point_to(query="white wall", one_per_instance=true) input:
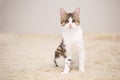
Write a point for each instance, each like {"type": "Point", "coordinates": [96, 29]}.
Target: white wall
{"type": "Point", "coordinates": [42, 16]}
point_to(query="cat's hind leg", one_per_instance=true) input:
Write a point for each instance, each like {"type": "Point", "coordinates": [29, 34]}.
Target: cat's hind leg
{"type": "Point", "coordinates": [60, 51]}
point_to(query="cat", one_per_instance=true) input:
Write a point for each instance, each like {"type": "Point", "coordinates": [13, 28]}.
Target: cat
{"type": "Point", "coordinates": [71, 33]}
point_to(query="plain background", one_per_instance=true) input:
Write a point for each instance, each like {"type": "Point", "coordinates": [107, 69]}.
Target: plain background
{"type": "Point", "coordinates": [42, 16]}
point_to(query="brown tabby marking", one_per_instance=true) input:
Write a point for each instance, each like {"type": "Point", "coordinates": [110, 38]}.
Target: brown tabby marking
{"type": "Point", "coordinates": [60, 51]}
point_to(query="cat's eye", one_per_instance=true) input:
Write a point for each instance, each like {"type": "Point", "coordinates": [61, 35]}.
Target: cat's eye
{"type": "Point", "coordinates": [73, 20]}
{"type": "Point", "coordinates": [66, 21]}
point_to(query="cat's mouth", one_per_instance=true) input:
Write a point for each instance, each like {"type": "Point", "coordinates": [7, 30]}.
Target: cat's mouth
{"type": "Point", "coordinates": [70, 26]}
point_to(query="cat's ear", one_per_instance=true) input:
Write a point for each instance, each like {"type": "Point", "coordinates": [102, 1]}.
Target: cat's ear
{"type": "Point", "coordinates": [77, 12]}
{"type": "Point", "coordinates": [62, 12]}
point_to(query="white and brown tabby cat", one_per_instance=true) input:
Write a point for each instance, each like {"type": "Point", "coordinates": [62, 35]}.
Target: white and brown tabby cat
{"type": "Point", "coordinates": [71, 33]}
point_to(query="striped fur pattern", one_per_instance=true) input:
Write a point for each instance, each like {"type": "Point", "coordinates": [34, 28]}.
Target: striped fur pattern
{"type": "Point", "coordinates": [60, 51]}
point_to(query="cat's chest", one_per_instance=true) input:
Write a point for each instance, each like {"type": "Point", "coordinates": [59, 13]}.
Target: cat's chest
{"type": "Point", "coordinates": [72, 35]}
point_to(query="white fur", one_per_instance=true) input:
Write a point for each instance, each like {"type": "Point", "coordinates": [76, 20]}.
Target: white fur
{"type": "Point", "coordinates": [73, 35]}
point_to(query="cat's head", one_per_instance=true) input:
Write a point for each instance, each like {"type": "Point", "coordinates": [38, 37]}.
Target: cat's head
{"type": "Point", "coordinates": [70, 20]}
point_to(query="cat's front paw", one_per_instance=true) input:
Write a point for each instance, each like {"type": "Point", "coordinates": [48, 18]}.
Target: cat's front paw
{"type": "Point", "coordinates": [82, 70]}
{"type": "Point", "coordinates": [62, 73]}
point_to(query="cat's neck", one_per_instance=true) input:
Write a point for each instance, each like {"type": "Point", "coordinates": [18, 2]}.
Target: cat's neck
{"type": "Point", "coordinates": [72, 34]}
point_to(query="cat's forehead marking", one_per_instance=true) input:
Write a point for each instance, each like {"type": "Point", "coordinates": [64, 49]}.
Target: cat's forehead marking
{"type": "Point", "coordinates": [69, 15]}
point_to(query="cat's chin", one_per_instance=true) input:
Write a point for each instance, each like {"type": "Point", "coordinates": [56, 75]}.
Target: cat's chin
{"type": "Point", "coordinates": [70, 28]}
